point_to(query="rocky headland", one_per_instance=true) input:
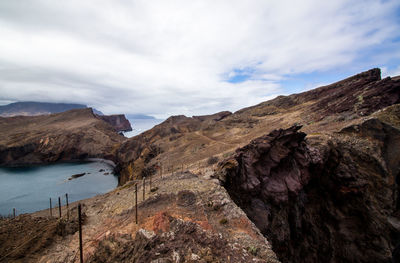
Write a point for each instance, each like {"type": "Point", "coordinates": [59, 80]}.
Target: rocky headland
{"type": "Point", "coordinates": [118, 121]}
{"type": "Point", "coordinates": [310, 177]}
{"type": "Point", "coordinates": [67, 136]}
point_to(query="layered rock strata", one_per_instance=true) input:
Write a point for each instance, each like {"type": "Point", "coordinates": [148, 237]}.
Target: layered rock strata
{"type": "Point", "coordinates": [323, 199]}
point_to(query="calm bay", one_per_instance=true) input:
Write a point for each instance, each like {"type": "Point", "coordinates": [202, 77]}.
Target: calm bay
{"type": "Point", "coordinates": [28, 189]}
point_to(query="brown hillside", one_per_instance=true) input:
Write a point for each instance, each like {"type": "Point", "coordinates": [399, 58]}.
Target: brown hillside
{"type": "Point", "coordinates": [182, 140]}
{"type": "Point", "coordinates": [75, 134]}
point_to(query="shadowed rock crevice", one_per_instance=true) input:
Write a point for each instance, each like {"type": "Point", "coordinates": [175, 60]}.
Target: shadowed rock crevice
{"type": "Point", "coordinates": [322, 200]}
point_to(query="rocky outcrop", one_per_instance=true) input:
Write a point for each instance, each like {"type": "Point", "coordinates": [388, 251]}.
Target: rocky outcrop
{"type": "Point", "coordinates": [118, 121]}
{"type": "Point", "coordinates": [361, 94]}
{"type": "Point", "coordinates": [358, 95]}
{"type": "Point", "coordinates": [327, 199]}
{"type": "Point", "coordinates": [274, 177]}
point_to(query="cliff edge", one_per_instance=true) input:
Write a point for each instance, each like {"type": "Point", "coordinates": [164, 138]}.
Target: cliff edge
{"type": "Point", "coordinates": [118, 121]}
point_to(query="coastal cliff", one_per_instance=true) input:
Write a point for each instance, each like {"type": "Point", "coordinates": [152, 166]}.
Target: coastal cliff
{"type": "Point", "coordinates": [72, 135]}
{"type": "Point", "coordinates": [118, 121]}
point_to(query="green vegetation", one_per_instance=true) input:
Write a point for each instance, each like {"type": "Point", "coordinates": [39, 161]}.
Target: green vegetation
{"type": "Point", "coordinates": [226, 155]}
{"type": "Point", "coordinates": [252, 250]}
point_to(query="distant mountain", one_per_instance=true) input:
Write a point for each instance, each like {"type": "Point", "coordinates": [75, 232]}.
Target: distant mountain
{"type": "Point", "coordinates": [30, 108]}
{"type": "Point", "coordinates": [139, 116]}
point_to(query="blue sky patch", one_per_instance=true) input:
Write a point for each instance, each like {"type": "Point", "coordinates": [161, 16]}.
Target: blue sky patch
{"type": "Point", "coordinates": [240, 75]}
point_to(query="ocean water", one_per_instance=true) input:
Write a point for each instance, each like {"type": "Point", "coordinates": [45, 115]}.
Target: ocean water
{"type": "Point", "coordinates": [141, 125]}
{"type": "Point", "coordinates": [28, 189]}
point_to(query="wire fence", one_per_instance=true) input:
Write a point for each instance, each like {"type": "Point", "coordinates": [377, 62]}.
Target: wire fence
{"type": "Point", "coordinates": [150, 181]}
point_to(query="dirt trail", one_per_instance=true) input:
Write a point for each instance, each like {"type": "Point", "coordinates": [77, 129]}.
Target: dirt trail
{"type": "Point", "coordinates": [200, 133]}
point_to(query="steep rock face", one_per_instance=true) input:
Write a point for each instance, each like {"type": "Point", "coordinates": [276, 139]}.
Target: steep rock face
{"type": "Point", "coordinates": [274, 177]}
{"type": "Point", "coordinates": [118, 121]}
{"type": "Point", "coordinates": [323, 200]}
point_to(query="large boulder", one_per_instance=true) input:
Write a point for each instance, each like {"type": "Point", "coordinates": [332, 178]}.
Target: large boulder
{"type": "Point", "coordinates": [327, 199]}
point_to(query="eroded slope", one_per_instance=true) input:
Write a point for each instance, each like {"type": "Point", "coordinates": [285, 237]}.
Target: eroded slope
{"type": "Point", "coordinates": [189, 141]}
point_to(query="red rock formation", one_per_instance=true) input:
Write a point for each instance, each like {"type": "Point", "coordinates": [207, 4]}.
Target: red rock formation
{"type": "Point", "coordinates": [326, 200]}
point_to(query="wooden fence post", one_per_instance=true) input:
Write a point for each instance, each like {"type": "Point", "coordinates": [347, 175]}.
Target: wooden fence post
{"type": "Point", "coordinates": [144, 187]}
{"type": "Point", "coordinates": [59, 206]}
{"type": "Point", "coordinates": [51, 210]}
{"type": "Point", "coordinates": [80, 233]}
{"type": "Point", "coordinates": [136, 215]}
{"type": "Point", "coordinates": [150, 182]}
{"type": "Point", "coordinates": [66, 200]}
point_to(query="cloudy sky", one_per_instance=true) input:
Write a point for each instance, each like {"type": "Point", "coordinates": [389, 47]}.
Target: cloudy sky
{"type": "Point", "coordinates": [167, 57]}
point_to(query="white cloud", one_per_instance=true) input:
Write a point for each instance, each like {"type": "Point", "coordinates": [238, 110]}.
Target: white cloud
{"type": "Point", "coordinates": [390, 72]}
{"type": "Point", "coordinates": [173, 57]}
